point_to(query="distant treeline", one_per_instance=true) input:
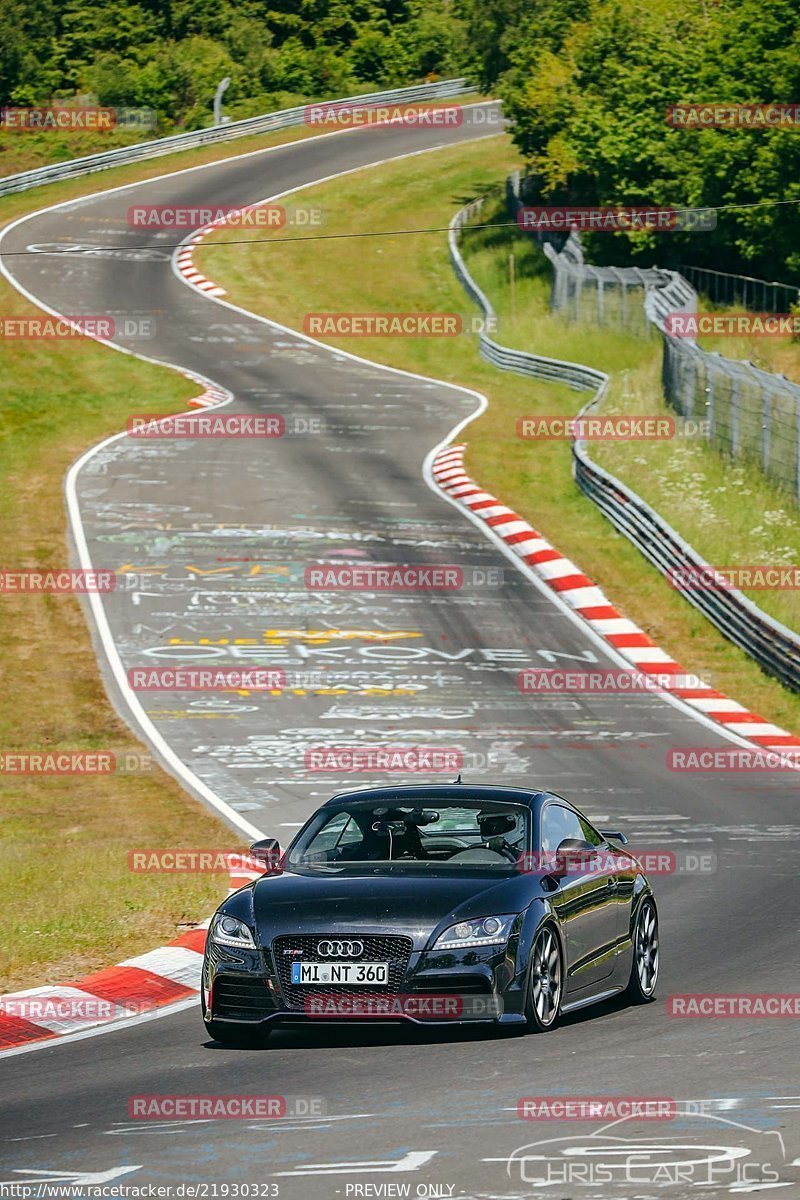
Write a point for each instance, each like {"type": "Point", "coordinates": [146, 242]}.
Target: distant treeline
{"type": "Point", "coordinates": [170, 56]}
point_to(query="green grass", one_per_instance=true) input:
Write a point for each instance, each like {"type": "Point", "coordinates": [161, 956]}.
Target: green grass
{"type": "Point", "coordinates": [413, 273]}
{"type": "Point", "coordinates": [68, 838]}
{"type": "Point", "coordinates": [781, 355]}
{"type": "Point", "coordinates": [728, 511]}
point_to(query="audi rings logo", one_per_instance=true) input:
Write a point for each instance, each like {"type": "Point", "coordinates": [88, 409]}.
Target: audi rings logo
{"type": "Point", "coordinates": [346, 948]}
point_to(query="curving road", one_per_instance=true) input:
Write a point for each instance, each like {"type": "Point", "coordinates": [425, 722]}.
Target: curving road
{"type": "Point", "coordinates": [214, 537]}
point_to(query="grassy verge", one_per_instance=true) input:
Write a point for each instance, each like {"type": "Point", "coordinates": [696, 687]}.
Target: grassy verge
{"type": "Point", "coordinates": [413, 273]}
{"type": "Point", "coordinates": [71, 903]}
{"type": "Point", "coordinates": [781, 355]}
{"type": "Point", "coordinates": [730, 512]}
{"type": "Point", "coordinates": [26, 149]}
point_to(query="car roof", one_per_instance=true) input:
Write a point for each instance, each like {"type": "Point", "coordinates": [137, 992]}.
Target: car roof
{"type": "Point", "coordinates": [444, 791]}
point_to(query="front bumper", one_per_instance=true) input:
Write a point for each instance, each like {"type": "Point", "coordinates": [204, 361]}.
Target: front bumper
{"type": "Point", "coordinates": [250, 987]}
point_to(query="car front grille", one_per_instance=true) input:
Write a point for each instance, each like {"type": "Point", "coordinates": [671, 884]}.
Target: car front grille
{"type": "Point", "coordinates": [393, 949]}
{"type": "Point", "coordinates": [241, 998]}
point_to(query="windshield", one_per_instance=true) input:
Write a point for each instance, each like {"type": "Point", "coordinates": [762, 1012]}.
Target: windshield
{"type": "Point", "coordinates": [471, 833]}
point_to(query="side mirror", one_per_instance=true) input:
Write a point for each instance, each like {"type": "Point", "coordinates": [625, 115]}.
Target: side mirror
{"type": "Point", "coordinates": [268, 852]}
{"type": "Point", "coordinates": [616, 835]}
{"type": "Point", "coordinates": [572, 851]}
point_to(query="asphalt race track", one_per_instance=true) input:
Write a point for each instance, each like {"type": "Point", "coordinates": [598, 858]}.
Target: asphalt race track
{"type": "Point", "coordinates": [215, 536]}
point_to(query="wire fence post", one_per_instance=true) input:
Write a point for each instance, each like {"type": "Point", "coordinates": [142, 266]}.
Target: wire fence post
{"type": "Point", "coordinates": [735, 416]}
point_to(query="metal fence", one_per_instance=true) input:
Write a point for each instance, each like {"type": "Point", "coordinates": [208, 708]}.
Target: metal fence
{"type": "Point", "coordinates": [772, 645]}
{"type": "Point", "coordinates": [756, 294]}
{"type": "Point", "coordinates": [581, 292]}
{"type": "Point", "coordinates": [282, 119]}
{"type": "Point", "coordinates": [748, 413]}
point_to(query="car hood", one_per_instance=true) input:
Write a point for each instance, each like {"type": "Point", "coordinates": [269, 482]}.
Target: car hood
{"type": "Point", "coordinates": [412, 903]}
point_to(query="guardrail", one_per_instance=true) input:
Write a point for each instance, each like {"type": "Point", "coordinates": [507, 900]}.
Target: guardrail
{"type": "Point", "coordinates": [575, 375]}
{"type": "Point", "coordinates": [772, 645]}
{"type": "Point", "coordinates": [281, 119]}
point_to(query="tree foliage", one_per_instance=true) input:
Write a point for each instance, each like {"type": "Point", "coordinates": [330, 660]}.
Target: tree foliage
{"type": "Point", "coordinates": [171, 54]}
{"type": "Point", "coordinates": [587, 84]}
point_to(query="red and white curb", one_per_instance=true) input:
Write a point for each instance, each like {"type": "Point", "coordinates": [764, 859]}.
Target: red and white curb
{"type": "Point", "coordinates": [589, 602]}
{"type": "Point", "coordinates": [186, 267]}
{"type": "Point", "coordinates": [133, 987]}
{"type": "Point", "coordinates": [183, 255]}
{"type": "Point", "coordinates": [209, 398]}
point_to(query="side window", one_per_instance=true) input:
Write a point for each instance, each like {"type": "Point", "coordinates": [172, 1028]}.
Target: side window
{"type": "Point", "coordinates": [590, 834]}
{"type": "Point", "coordinates": [351, 835]}
{"type": "Point", "coordinates": [340, 831]}
{"type": "Point", "coordinates": [559, 823]}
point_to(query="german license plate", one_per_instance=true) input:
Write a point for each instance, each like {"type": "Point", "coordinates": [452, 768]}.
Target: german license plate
{"type": "Point", "coordinates": [310, 973]}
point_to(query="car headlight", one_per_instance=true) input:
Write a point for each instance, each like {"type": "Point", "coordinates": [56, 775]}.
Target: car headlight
{"type": "Point", "coordinates": [230, 931]}
{"type": "Point", "coordinates": [484, 931]}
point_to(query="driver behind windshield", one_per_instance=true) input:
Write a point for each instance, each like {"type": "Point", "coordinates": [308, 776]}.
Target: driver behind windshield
{"type": "Point", "coordinates": [386, 834]}
{"type": "Point", "coordinates": [494, 826]}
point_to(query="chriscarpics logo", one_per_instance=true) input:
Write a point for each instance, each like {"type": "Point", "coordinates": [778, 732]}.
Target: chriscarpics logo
{"type": "Point", "coordinates": [696, 1149]}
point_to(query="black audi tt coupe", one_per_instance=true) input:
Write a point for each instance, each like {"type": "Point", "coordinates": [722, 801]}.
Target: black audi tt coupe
{"type": "Point", "coordinates": [432, 904]}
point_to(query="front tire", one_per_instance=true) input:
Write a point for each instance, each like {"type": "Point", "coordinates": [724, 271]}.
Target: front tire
{"type": "Point", "coordinates": [545, 982]}
{"type": "Point", "coordinates": [644, 966]}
